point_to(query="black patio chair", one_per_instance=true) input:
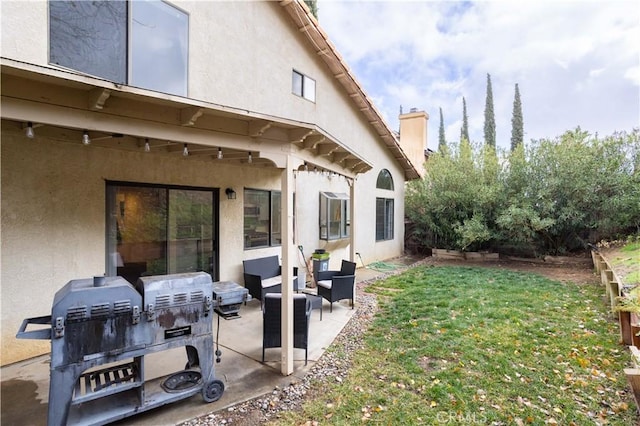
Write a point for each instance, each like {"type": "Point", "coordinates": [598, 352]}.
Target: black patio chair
{"type": "Point", "coordinates": [271, 316]}
{"type": "Point", "coordinates": [338, 285]}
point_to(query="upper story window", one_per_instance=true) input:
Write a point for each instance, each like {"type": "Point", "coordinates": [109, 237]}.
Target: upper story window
{"type": "Point", "coordinates": [262, 218]}
{"type": "Point", "coordinates": [91, 37]}
{"type": "Point", "coordinates": [335, 218]}
{"type": "Point", "coordinates": [303, 86]}
{"type": "Point", "coordinates": [385, 180]}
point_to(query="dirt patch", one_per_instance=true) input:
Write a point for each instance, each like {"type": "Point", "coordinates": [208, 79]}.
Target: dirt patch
{"type": "Point", "coordinates": [575, 272]}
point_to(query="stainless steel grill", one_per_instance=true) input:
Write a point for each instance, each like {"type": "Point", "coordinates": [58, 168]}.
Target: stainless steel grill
{"type": "Point", "coordinates": [100, 321]}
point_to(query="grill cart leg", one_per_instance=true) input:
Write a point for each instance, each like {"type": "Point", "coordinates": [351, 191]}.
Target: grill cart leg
{"type": "Point", "coordinates": [61, 385]}
{"type": "Point", "coordinates": [211, 389]}
{"type": "Point", "coordinates": [193, 360]}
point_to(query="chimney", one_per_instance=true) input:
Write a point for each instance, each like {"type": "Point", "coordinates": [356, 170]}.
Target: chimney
{"type": "Point", "coordinates": [413, 137]}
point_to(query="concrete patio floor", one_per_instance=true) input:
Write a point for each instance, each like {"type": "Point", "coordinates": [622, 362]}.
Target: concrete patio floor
{"type": "Point", "coordinates": [25, 385]}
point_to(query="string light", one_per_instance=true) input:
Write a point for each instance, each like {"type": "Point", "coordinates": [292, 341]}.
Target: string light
{"type": "Point", "coordinates": [29, 130]}
{"type": "Point", "coordinates": [185, 151]}
{"type": "Point", "coordinates": [85, 138]}
{"type": "Point", "coordinates": [147, 147]}
{"type": "Point", "coordinates": [219, 153]}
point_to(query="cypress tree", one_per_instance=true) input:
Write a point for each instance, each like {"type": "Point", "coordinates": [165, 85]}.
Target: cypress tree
{"type": "Point", "coordinates": [517, 125]}
{"type": "Point", "coordinates": [464, 132]}
{"type": "Point", "coordinates": [442, 143]}
{"type": "Point", "coordinates": [489, 117]}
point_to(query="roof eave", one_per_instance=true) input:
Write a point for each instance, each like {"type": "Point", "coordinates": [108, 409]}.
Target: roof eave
{"type": "Point", "coordinates": [306, 22]}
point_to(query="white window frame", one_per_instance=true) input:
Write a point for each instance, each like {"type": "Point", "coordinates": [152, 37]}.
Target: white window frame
{"type": "Point", "coordinates": [385, 221]}
{"type": "Point", "coordinates": [338, 227]}
{"type": "Point", "coordinates": [175, 86]}
{"type": "Point", "coordinates": [306, 88]}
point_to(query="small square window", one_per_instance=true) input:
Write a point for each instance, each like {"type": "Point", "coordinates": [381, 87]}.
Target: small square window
{"type": "Point", "coordinates": [303, 86]}
{"type": "Point", "coordinates": [296, 81]}
{"type": "Point", "coordinates": [309, 89]}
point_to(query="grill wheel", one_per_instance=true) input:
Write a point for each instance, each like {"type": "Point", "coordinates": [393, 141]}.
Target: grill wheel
{"type": "Point", "coordinates": [213, 391]}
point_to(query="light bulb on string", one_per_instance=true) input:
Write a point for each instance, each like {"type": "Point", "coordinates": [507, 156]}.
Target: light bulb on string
{"type": "Point", "coordinates": [29, 130]}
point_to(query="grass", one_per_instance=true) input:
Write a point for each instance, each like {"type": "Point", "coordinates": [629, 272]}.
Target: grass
{"type": "Point", "coordinates": [631, 260]}
{"type": "Point", "coordinates": [458, 345]}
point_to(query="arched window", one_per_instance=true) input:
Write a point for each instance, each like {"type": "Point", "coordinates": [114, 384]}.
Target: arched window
{"type": "Point", "coordinates": [384, 208]}
{"type": "Point", "coordinates": [385, 181]}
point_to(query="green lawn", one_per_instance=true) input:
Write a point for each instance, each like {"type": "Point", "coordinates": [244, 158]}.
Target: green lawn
{"type": "Point", "coordinates": [458, 345]}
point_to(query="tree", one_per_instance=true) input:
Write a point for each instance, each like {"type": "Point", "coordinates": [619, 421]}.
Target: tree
{"type": "Point", "coordinates": [517, 125]}
{"type": "Point", "coordinates": [464, 132]}
{"type": "Point", "coordinates": [553, 197]}
{"type": "Point", "coordinates": [454, 205]}
{"type": "Point", "coordinates": [489, 117]}
{"type": "Point", "coordinates": [313, 7]}
{"type": "Point", "coordinates": [442, 142]}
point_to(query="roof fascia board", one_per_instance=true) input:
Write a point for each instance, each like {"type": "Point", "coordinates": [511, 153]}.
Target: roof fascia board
{"type": "Point", "coordinates": [307, 23]}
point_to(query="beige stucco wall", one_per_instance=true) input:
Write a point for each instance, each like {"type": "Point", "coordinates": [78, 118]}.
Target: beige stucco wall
{"type": "Point", "coordinates": [53, 218]}
{"type": "Point", "coordinates": [241, 54]}
{"type": "Point", "coordinates": [53, 192]}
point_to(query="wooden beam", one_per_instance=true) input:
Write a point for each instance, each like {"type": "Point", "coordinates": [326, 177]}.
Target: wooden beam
{"type": "Point", "coordinates": [340, 156]}
{"type": "Point", "coordinates": [351, 163]}
{"type": "Point", "coordinates": [326, 148]}
{"type": "Point", "coordinates": [189, 115]}
{"type": "Point", "coordinates": [633, 376]}
{"type": "Point", "coordinates": [258, 127]}
{"type": "Point", "coordinates": [299, 135]}
{"type": "Point", "coordinates": [98, 97]}
{"type": "Point", "coordinates": [311, 142]}
{"type": "Point", "coordinates": [287, 187]}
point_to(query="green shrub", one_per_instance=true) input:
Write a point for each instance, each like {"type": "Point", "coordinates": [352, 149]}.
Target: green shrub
{"type": "Point", "coordinates": [551, 197]}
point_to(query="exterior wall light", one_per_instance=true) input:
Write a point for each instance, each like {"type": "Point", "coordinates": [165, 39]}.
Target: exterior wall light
{"type": "Point", "coordinates": [231, 194]}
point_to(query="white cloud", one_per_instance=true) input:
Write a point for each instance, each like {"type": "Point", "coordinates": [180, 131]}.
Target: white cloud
{"type": "Point", "coordinates": [577, 63]}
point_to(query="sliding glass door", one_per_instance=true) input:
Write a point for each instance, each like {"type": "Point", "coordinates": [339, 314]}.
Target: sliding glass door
{"type": "Point", "coordinates": [157, 230]}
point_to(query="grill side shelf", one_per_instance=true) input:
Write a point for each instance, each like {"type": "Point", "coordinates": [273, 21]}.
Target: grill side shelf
{"type": "Point", "coordinates": [42, 334]}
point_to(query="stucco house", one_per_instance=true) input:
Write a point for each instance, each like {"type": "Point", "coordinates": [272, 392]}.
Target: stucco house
{"type": "Point", "coordinates": [160, 137]}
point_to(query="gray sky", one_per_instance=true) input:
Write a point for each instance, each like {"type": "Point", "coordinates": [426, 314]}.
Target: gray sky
{"type": "Point", "coordinates": [577, 63]}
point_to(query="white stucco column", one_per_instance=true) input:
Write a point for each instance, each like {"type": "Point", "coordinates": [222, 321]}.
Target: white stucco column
{"type": "Point", "coordinates": [288, 251]}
